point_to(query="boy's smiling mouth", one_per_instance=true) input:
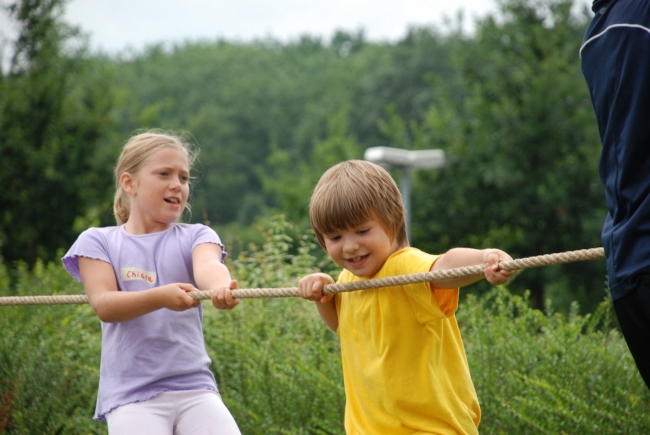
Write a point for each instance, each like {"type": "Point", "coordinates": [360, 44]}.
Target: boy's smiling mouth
{"type": "Point", "coordinates": [357, 260]}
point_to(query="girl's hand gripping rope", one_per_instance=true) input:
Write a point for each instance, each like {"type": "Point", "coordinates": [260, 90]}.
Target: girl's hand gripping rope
{"type": "Point", "coordinates": [222, 297]}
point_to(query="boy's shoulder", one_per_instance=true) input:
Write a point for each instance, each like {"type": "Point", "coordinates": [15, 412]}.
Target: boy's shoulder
{"type": "Point", "coordinates": [408, 260]}
{"type": "Point", "coordinates": [409, 253]}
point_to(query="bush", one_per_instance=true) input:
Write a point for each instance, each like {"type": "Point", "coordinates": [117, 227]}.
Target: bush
{"type": "Point", "coordinates": [49, 357]}
{"type": "Point", "coordinates": [277, 365]}
{"type": "Point", "coordinates": [279, 368]}
{"type": "Point", "coordinates": [539, 373]}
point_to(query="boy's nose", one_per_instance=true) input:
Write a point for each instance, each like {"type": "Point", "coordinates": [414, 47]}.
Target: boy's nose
{"type": "Point", "coordinates": [350, 245]}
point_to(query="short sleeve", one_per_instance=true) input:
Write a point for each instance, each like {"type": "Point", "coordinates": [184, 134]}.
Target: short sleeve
{"type": "Point", "coordinates": [427, 305]}
{"type": "Point", "coordinates": [205, 234]}
{"type": "Point", "coordinates": [90, 244]}
{"type": "Point", "coordinates": [446, 299]}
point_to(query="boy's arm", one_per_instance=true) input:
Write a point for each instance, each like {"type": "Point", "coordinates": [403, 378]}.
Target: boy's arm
{"type": "Point", "coordinates": [211, 274]}
{"type": "Point", "coordinates": [463, 257]}
{"type": "Point", "coordinates": [311, 287]}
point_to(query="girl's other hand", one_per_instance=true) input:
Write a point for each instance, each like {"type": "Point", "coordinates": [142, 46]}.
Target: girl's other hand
{"type": "Point", "coordinates": [176, 297]}
{"type": "Point", "coordinates": [222, 297]}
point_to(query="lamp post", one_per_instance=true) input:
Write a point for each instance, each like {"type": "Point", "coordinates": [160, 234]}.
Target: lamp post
{"type": "Point", "coordinates": [405, 160]}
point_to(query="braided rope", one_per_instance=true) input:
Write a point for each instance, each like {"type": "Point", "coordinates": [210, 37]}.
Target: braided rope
{"type": "Point", "coordinates": [522, 263]}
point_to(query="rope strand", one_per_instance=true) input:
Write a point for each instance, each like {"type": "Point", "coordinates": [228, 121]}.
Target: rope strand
{"type": "Point", "coordinates": [522, 263]}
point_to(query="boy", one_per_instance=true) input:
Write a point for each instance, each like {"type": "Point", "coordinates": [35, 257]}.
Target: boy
{"type": "Point", "coordinates": [404, 365]}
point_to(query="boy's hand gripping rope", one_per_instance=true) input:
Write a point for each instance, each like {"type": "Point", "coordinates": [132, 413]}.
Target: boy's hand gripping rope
{"type": "Point", "coordinates": [522, 263]}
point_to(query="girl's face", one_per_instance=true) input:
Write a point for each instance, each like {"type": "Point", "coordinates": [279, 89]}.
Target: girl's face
{"type": "Point", "coordinates": [159, 192]}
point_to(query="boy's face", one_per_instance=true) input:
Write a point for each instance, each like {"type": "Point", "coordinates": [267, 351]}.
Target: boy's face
{"type": "Point", "coordinates": [362, 250]}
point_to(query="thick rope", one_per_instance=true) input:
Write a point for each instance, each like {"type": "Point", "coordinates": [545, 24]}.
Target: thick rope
{"type": "Point", "coordinates": [460, 272]}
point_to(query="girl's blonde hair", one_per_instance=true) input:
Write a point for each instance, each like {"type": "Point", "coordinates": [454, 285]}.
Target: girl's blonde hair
{"type": "Point", "coordinates": [137, 150]}
{"type": "Point", "coordinates": [350, 193]}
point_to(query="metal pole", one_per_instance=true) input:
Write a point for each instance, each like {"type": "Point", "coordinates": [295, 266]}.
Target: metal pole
{"type": "Point", "coordinates": [405, 188]}
{"type": "Point", "coordinates": [405, 160]}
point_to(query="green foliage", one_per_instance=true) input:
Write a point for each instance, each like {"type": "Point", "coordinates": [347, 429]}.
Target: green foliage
{"type": "Point", "coordinates": [274, 264]}
{"type": "Point", "coordinates": [49, 357]}
{"type": "Point", "coordinates": [279, 368]}
{"type": "Point", "coordinates": [291, 181]}
{"type": "Point", "coordinates": [55, 104]}
{"type": "Point", "coordinates": [510, 109]}
{"type": "Point", "coordinates": [508, 105]}
{"type": "Point", "coordinates": [539, 373]}
{"type": "Point", "coordinates": [261, 111]}
{"type": "Point", "coordinates": [522, 147]}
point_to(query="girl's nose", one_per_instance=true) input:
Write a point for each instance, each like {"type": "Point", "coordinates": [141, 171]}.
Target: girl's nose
{"type": "Point", "coordinates": [175, 183]}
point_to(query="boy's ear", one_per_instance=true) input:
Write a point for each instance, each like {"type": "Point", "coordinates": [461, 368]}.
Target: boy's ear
{"type": "Point", "coordinates": [127, 181]}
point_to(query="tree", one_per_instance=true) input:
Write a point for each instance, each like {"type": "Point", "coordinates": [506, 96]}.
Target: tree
{"type": "Point", "coordinates": [252, 105]}
{"type": "Point", "coordinates": [291, 180]}
{"type": "Point", "coordinates": [54, 112]}
{"type": "Point", "coordinates": [523, 150]}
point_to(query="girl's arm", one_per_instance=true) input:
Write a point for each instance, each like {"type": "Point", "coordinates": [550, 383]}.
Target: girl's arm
{"type": "Point", "coordinates": [111, 305]}
{"type": "Point", "coordinates": [311, 287]}
{"type": "Point", "coordinates": [463, 257]}
{"type": "Point", "coordinates": [211, 274]}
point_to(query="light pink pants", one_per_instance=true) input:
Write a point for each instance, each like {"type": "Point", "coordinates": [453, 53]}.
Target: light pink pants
{"type": "Point", "coordinates": [174, 413]}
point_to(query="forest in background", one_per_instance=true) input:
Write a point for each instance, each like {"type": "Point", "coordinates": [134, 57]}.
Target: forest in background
{"type": "Point", "coordinates": [508, 105]}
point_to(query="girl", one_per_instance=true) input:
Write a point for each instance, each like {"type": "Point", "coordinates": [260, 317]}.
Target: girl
{"type": "Point", "coordinates": [154, 374]}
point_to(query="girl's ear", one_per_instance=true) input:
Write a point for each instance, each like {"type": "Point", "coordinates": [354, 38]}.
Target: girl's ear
{"type": "Point", "coordinates": [127, 181]}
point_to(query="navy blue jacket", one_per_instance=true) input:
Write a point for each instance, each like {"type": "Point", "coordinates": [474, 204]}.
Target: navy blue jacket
{"type": "Point", "coordinates": [616, 64]}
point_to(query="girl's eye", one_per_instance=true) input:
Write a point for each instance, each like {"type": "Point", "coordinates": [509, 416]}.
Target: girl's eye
{"type": "Point", "coordinates": [185, 178]}
{"type": "Point", "coordinates": [164, 174]}
{"type": "Point", "coordinates": [363, 231]}
{"type": "Point", "coordinates": [334, 238]}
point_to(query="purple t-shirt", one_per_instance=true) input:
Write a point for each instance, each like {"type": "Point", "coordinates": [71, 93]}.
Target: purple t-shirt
{"type": "Point", "coordinates": [160, 351]}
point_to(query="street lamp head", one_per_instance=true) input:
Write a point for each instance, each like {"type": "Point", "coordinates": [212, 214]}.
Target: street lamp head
{"type": "Point", "coordinates": [400, 158]}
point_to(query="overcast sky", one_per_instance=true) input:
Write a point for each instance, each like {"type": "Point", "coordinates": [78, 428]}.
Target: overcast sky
{"type": "Point", "coordinates": [115, 26]}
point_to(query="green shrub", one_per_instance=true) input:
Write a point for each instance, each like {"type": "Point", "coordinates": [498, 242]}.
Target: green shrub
{"type": "Point", "coordinates": [277, 365]}
{"type": "Point", "coordinates": [539, 373]}
{"type": "Point", "coordinates": [49, 357]}
{"type": "Point", "coordinates": [279, 368]}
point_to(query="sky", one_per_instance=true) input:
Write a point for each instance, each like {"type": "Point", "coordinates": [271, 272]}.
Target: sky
{"type": "Point", "coordinates": [128, 26]}
{"type": "Point", "coordinates": [118, 25]}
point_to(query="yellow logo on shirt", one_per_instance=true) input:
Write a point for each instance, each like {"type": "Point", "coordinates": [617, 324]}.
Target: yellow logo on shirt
{"type": "Point", "coordinates": [134, 273]}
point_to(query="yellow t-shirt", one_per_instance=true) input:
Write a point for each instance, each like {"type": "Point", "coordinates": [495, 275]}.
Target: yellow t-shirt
{"type": "Point", "coordinates": [404, 364]}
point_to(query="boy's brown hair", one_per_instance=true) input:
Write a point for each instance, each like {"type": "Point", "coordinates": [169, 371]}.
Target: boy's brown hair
{"type": "Point", "coordinates": [352, 192]}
